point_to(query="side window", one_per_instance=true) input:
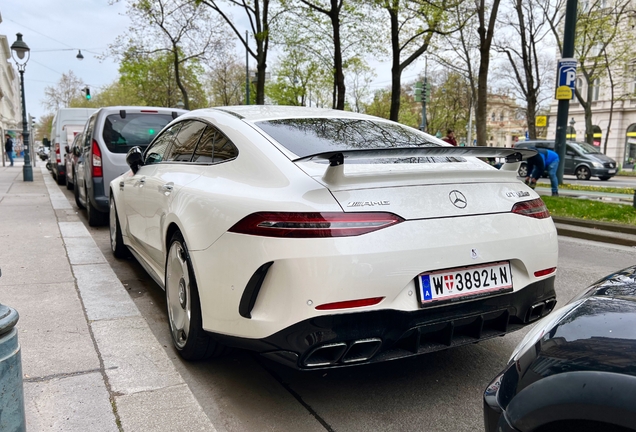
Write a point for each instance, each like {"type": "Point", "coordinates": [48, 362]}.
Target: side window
{"type": "Point", "coordinates": [157, 150]}
{"type": "Point", "coordinates": [214, 147]}
{"type": "Point", "coordinates": [185, 141]}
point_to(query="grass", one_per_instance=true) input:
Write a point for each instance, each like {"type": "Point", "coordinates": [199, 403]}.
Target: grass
{"type": "Point", "coordinates": [590, 210]}
{"type": "Point", "coordinates": [607, 189]}
{"type": "Point", "coordinates": [627, 173]}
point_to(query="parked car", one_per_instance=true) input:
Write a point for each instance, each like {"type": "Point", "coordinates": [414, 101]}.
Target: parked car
{"type": "Point", "coordinates": [72, 153]}
{"type": "Point", "coordinates": [66, 123]}
{"type": "Point", "coordinates": [266, 234]}
{"type": "Point", "coordinates": [43, 152]}
{"type": "Point", "coordinates": [109, 133]}
{"type": "Point", "coordinates": [575, 370]}
{"type": "Point", "coordinates": [581, 159]}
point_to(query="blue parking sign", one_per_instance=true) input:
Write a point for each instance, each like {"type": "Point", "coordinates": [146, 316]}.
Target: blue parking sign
{"type": "Point", "coordinates": [567, 72]}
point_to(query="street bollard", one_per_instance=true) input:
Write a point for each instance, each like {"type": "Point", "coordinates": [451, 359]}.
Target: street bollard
{"type": "Point", "coordinates": [11, 390]}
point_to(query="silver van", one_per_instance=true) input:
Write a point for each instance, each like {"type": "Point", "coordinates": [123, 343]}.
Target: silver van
{"type": "Point", "coordinates": [581, 159]}
{"type": "Point", "coordinates": [109, 133]}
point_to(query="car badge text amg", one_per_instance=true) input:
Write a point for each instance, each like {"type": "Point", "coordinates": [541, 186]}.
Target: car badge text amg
{"type": "Point", "coordinates": [367, 203]}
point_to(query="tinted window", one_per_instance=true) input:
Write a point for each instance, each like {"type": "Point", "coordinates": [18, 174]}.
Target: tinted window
{"type": "Point", "coordinates": [121, 134]}
{"type": "Point", "coordinates": [305, 137]}
{"type": "Point", "coordinates": [157, 150]}
{"type": "Point", "coordinates": [185, 141]}
{"type": "Point", "coordinates": [214, 147]}
{"type": "Point", "coordinates": [90, 125]}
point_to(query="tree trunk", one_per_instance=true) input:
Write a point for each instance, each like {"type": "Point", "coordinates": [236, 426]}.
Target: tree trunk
{"type": "Point", "coordinates": [337, 46]}
{"type": "Point", "coordinates": [177, 77]}
{"type": "Point", "coordinates": [531, 113]}
{"type": "Point", "coordinates": [396, 70]}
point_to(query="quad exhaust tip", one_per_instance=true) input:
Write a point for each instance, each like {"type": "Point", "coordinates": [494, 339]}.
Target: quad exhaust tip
{"type": "Point", "coordinates": [341, 352]}
{"type": "Point", "coordinates": [540, 309]}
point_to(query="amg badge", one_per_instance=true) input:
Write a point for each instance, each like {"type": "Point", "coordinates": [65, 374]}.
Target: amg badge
{"type": "Point", "coordinates": [367, 203]}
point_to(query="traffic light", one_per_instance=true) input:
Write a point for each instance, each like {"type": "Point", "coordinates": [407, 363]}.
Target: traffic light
{"type": "Point", "coordinates": [418, 92]}
{"type": "Point", "coordinates": [427, 92]}
{"type": "Point", "coordinates": [87, 91]}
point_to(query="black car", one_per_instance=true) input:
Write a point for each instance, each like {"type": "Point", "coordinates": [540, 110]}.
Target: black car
{"type": "Point", "coordinates": [581, 159]}
{"type": "Point", "coordinates": [576, 369]}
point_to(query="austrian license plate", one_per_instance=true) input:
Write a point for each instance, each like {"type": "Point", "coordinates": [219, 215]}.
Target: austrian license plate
{"type": "Point", "coordinates": [612, 171]}
{"type": "Point", "coordinates": [453, 284]}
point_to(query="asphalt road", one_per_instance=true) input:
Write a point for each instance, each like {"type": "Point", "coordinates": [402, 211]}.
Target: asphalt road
{"type": "Point", "coordinates": [622, 181]}
{"type": "Point", "coordinates": [434, 392]}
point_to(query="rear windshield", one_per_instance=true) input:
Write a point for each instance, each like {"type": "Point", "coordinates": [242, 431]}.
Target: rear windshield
{"type": "Point", "coordinates": [307, 136]}
{"type": "Point", "coordinates": [121, 134]}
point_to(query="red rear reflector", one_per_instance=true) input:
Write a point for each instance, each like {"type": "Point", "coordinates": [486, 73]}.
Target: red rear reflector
{"type": "Point", "coordinates": [149, 111]}
{"type": "Point", "coordinates": [350, 304]}
{"type": "Point", "coordinates": [544, 272]}
{"type": "Point", "coordinates": [534, 208]}
{"type": "Point", "coordinates": [58, 157]}
{"type": "Point", "coordinates": [96, 160]}
{"type": "Point", "coordinates": [311, 225]}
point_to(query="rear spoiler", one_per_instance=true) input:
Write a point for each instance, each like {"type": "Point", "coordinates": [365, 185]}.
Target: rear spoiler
{"type": "Point", "coordinates": [335, 172]}
{"type": "Point", "coordinates": [338, 157]}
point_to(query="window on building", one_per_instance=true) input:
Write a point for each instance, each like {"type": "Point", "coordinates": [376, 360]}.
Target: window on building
{"type": "Point", "coordinates": [493, 116]}
{"type": "Point", "coordinates": [596, 89]}
{"type": "Point", "coordinates": [501, 116]}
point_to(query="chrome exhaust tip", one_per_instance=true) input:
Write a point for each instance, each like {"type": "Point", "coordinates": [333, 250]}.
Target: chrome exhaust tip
{"type": "Point", "coordinates": [362, 350]}
{"type": "Point", "coordinates": [325, 355]}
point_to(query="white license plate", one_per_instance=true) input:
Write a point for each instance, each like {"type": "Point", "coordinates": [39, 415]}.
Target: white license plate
{"type": "Point", "coordinates": [460, 282]}
{"type": "Point", "coordinates": [612, 171]}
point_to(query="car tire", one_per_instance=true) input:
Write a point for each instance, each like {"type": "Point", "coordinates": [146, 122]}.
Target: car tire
{"type": "Point", "coordinates": [94, 216]}
{"type": "Point", "coordinates": [117, 245]}
{"type": "Point", "coordinates": [582, 173]}
{"type": "Point", "coordinates": [184, 306]}
{"type": "Point", "coordinates": [604, 178]}
{"type": "Point", "coordinates": [76, 192]}
{"type": "Point", "coordinates": [523, 170]}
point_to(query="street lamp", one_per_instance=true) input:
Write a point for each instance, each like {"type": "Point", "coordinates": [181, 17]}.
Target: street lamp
{"type": "Point", "coordinates": [79, 55]}
{"type": "Point", "coordinates": [21, 50]}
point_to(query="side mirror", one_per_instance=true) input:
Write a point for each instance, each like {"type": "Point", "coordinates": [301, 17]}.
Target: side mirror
{"type": "Point", "coordinates": [66, 149]}
{"type": "Point", "coordinates": [134, 158]}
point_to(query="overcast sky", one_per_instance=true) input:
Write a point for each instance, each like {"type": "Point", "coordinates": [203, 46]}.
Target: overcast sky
{"type": "Point", "coordinates": [56, 29]}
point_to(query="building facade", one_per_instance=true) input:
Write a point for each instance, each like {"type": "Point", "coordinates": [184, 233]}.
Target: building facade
{"type": "Point", "coordinates": [506, 121]}
{"type": "Point", "coordinates": [10, 107]}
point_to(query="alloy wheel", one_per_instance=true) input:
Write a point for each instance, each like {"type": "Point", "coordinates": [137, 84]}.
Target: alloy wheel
{"type": "Point", "coordinates": [178, 294]}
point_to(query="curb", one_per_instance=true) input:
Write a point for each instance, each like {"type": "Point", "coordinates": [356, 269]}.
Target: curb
{"type": "Point", "coordinates": [605, 232]}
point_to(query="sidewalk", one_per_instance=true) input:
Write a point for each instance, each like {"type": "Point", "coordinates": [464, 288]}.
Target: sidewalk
{"type": "Point", "coordinates": [89, 360]}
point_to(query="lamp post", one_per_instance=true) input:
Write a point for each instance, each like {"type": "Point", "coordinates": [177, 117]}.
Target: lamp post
{"type": "Point", "coordinates": [21, 49]}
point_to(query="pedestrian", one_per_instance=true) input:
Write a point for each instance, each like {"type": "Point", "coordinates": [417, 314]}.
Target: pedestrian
{"type": "Point", "coordinates": [8, 147]}
{"type": "Point", "coordinates": [535, 167]}
{"type": "Point", "coordinates": [551, 161]}
{"type": "Point", "coordinates": [450, 137]}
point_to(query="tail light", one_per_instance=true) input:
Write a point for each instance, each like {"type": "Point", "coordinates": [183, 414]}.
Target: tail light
{"type": "Point", "coordinates": [312, 225]}
{"type": "Point", "coordinates": [96, 160]}
{"type": "Point", "coordinates": [58, 156]}
{"type": "Point", "coordinates": [534, 208]}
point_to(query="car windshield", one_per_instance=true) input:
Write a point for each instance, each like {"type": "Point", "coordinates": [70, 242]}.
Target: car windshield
{"type": "Point", "coordinates": [585, 148]}
{"type": "Point", "coordinates": [136, 129]}
{"type": "Point", "coordinates": [307, 136]}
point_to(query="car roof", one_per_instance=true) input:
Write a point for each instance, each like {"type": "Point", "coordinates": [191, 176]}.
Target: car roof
{"type": "Point", "coordinates": [254, 113]}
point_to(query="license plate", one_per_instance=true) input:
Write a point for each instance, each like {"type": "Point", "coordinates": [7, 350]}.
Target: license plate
{"type": "Point", "coordinates": [453, 284]}
{"type": "Point", "coordinates": [612, 171]}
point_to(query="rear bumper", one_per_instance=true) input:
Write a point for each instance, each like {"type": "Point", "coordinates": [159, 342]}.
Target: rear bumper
{"type": "Point", "coordinates": [368, 337]}
{"type": "Point", "coordinates": [97, 196]}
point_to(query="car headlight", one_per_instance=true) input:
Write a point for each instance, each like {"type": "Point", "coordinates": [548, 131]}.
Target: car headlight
{"type": "Point", "coordinates": [541, 328]}
{"type": "Point", "coordinates": [597, 164]}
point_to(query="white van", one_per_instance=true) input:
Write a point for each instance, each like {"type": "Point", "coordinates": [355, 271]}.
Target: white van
{"type": "Point", "coordinates": [67, 123]}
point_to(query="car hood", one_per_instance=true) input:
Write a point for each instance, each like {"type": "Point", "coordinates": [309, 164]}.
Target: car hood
{"type": "Point", "coordinates": [601, 157]}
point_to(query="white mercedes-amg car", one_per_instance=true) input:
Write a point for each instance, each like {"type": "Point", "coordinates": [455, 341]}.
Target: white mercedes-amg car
{"type": "Point", "coordinates": [324, 238]}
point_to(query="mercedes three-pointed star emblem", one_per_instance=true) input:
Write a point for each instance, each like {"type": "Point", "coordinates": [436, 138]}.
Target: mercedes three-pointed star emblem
{"type": "Point", "coordinates": [458, 199]}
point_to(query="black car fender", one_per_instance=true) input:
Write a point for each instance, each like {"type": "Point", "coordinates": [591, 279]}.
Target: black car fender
{"type": "Point", "coordinates": [584, 395]}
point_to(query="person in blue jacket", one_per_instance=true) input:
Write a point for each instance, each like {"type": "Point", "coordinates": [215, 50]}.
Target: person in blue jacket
{"type": "Point", "coordinates": [544, 160]}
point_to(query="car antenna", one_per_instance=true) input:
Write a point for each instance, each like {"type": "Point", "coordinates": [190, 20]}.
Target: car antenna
{"type": "Point", "coordinates": [122, 114]}
{"type": "Point", "coordinates": [175, 115]}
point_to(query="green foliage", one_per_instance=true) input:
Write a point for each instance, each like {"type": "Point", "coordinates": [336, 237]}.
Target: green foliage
{"type": "Point", "coordinates": [449, 104]}
{"type": "Point", "coordinates": [410, 111]}
{"type": "Point", "coordinates": [590, 210]}
{"type": "Point", "coordinates": [150, 80]}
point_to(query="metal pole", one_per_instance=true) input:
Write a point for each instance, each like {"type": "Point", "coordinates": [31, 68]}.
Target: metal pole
{"type": "Point", "coordinates": [564, 105]}
{"type": "Point", "coordinates": [247, 72]}
{"type": "Point", "coordinates": [424, 125]}
{"type": "Point", "coordinates": [27, 169]}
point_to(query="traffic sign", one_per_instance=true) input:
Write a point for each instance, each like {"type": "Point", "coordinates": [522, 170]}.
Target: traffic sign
{"type": "Point", "coordinates": [541, 121]}
{"type": "Point", "coordinates": [566, 78]}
